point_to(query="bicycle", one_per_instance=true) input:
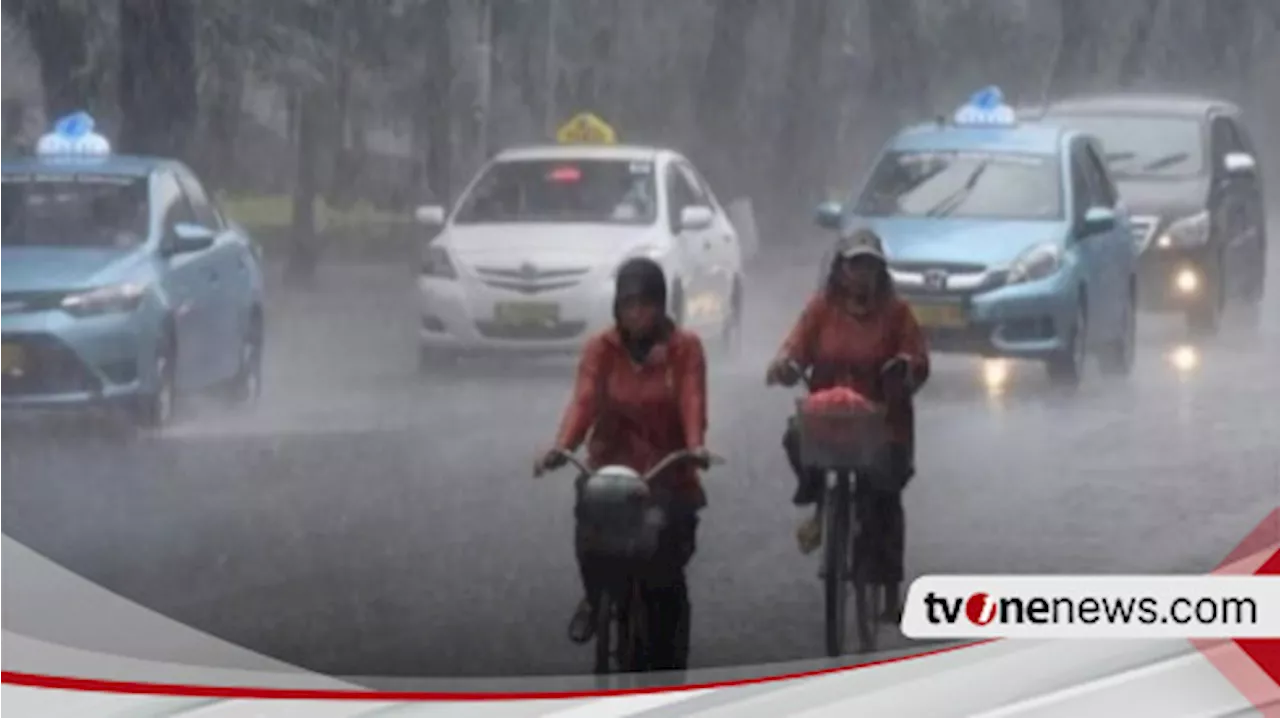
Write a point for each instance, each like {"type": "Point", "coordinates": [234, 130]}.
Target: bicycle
{"type": "Point", "coordinates": [845, 445]}
{"type": "Point", "coordinates": [617, 505]}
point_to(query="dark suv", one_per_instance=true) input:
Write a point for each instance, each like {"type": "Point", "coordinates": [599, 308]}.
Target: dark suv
{"type": "Point", "coordinates": [1186, 168]}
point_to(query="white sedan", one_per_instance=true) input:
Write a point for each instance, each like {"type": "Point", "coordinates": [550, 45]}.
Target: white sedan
{"type": "Point", "coordinates": [526, 261]}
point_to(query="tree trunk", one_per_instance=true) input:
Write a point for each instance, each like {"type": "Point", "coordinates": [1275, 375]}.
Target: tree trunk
{"type": "Point", "coordinates": [303, 250]}
{"type": "Point", "coordinates": [797, 140]}
{"type": "Point", "coordinates": [57, 35]}
{"type": "Point", "coordinates": [1134, 63]}
{"type": "Point", "coordinates": [720, 95]}
{"type": "Point", "coordinates": [157, 76]}
{"type": "Point", "coordinates": [436, 109]}
{"type": "Point", "coordinates": [1078, 68]}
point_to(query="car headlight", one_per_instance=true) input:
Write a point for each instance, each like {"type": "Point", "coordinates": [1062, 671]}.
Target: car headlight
{"type": "Point", "coordinates": [436, 263]}
{"type": "Point", "coordinates": [1187, 232]}
{"type": "Point", "coordinates": [1041, 261]}
{"type": "Point", "coordinates": [103, 300]}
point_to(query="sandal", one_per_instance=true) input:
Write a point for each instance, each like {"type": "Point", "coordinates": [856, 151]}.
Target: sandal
{"type": "Point", "coordinates": [809, 535]}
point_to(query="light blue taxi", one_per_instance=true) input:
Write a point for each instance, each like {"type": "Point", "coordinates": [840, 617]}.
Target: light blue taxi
{"type": "Point", "coordinates": [1008, 240]}
{"type": "Point", "coordinates": [123, 284]}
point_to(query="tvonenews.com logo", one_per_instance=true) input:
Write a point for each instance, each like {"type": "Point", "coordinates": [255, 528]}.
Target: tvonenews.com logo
{"type": "Point", "coordinates": [1092, 607]}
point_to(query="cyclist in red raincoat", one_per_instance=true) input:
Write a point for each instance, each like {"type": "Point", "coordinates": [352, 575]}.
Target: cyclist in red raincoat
{"type": "Point", "coordinates": [641, 392]}
{"type": "Point", "coordinates": [857, 332]}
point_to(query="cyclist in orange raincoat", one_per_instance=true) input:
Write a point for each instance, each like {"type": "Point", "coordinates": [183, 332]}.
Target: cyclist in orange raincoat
{"type": "Point", "coordinates": [858, 333]}
{"type": "Point", "coordinates": [641, 391]}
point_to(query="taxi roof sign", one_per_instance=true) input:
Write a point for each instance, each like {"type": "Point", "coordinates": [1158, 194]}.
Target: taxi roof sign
{"type": "Point", "coordinates": [586, 128]}
{"type": "Point", "coordinates": [73, 135]}
{"type": "Point", "coordinates": [986, 108]}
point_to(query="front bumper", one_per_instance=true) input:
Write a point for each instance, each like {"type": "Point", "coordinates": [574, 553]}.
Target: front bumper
{"type": "Point", "coordinates": [53, 360]}
{"type": "Point", "coordinates": [461, 316]}
{"type": "Point", "coordinates": [1025, 321]}
{"type": "Point", "coordinates": [1172, 280]}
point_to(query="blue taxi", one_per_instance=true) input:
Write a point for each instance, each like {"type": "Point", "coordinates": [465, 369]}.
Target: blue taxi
{"type": "Point", "coordinates": [123, 284]}
{"type": "Point", "coordinates": [1008, 240]}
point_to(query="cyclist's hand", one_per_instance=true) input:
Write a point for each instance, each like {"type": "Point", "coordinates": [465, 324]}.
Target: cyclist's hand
{"type": "Point", "coordinates": [896, 373]}
{"type": "Point", "coordinates": [781, 371]}
{"type": "Point", "coordinates": [549, 460]}
{"type": "Point", "coordinates": [700, 457]}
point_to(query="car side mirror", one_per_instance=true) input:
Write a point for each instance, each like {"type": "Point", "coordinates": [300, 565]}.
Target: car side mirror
{"type": "Point", "coordinates": [696, 217]}
{"type": "Point", "coordinates": [829, 215]}
{"type": "Point", "coordinates": [187, 237]}
{"type": "Point", "coordinates": [1099, 219]}
{"type": "Point", "coordinates": [430, 215]}
{"type": "Point", "coordinates": [1239, 164]}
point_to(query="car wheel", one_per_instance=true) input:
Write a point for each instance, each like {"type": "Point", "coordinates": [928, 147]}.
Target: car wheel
{"type": "Point", "coordinates": [1066, 368]}
{"type": "Point", "coordinates": [1117, 358]}
{"type": "Point", "coordinates": [157, 408]}
{"type": "Point", "coordinates": [1204, 319]}
{"type": "Point", "coordinates": [246, 386]}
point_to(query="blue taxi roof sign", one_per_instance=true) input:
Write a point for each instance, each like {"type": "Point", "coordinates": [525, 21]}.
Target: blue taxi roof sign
{"type": "Point", "coordinates": [986, 108]}
{"type": "Point", "coordinates": [73, 135]}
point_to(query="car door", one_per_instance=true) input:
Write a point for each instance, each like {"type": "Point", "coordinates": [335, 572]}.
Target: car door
{"type": "Point", "coordinates": [1233, 199]}
{"type": "Point", "coordinates": [228, 282]}
{"type": "Point", "coordinates": [1118, 248]}
{"type": "Point", "coordinates": [1091, 249]}
{"type": "Point", "coordinates": [723, 258]}
{"type": "Point", "coordinates": [186, 282]}
{"type": "Point", "coordinates": [1256, 219]}
{"type": "Point", "coordinates": [691, 246]}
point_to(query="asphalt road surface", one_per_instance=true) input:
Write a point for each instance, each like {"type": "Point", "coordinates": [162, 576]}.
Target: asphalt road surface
{"type": "Point", "coordinates": [366, 521]}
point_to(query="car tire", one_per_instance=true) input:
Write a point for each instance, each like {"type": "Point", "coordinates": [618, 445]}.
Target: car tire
{"type": "Point", "coordinates": [246, 386]}
{"type": "Point", "coordinates": [158, 408]}
{"type": "Point", "coordinates": [1117, 358]}
{"type": "Point", "coordinates": [1205, 319]}
{"type": "Point", "coordinates": [1066, 368]}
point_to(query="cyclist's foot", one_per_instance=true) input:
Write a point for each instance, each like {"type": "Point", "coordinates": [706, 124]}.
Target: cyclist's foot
{"type": "Point", "coordinates": [809, 534]}
{"type": "Point", "coordinates": [582, 627]}
{"type": "Point", "coordinates": [807, 493]}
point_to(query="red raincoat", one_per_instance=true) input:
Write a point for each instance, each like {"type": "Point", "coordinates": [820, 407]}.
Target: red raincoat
{"type": "Point", "coordinates": [637, 414]}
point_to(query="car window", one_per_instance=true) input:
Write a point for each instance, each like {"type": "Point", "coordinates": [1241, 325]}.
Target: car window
{"type": "Point", "coordinates": [1104, 191]}
{"type": "Point", "coordinates": [562, 190]}
{"type": "Point", "coordinates": [200, 204]}
{"type": "Point", "coordinates": [680, 194]}
{"type": "Point", "coordinates": [75, 210]}
{"type": "Point", "coordinates": [973, 185]}
{"type": "Point", "coordinates": [171, 202]}
{"type": "Point", "coordinates": [1224, 138]}
{"type": "Point", "coordinates": [1146, 146]}
{"type": "Point", "coordinates": [1081, 191]}
{"type": "Point", "coordinates": [701, 185]}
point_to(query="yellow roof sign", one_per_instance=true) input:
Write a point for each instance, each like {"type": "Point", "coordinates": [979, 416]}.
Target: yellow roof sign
{"type": "Point", "coordinates": [586, 129]}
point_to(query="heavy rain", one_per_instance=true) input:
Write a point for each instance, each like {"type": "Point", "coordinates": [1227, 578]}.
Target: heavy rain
{"type": "Point", "coordinates": [372, 513]}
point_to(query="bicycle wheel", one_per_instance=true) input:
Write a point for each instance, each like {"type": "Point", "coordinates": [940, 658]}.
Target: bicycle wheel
{"type": "Point", "coordinates": [604, 631]}
{"type": "Point", "coordinates": [633, 633]}
{"type": "Point", "coordinates": [836, 555]}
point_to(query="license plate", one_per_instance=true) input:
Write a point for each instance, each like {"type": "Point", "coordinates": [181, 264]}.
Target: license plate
{"type": "Point", "coordinates": [526, 313]}
{"type": "Point", "coordinates": [12, 359]}
{"type": "Point", "coordinates": [939, 315]}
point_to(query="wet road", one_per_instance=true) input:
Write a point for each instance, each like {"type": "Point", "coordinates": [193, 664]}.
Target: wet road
{"type": "Point", "coordinates": [365, 521]}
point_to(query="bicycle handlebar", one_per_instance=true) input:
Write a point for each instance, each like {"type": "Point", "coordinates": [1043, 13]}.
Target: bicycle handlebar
{"type": "Point", "coordinates": [658, 468]}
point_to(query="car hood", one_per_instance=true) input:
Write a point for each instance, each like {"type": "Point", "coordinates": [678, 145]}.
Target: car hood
{"type": "Point", "coordinates": [43, 269]}
{"type": "Point", "coordinates": [962, 241]}
{"type": "Point", "coordinates": [553, 244]}
{"type": "Point", "coordinates": [1163, 198]}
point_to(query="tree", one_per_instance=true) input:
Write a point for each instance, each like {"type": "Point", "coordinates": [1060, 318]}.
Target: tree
{"type": "Point", "coordinates": [58, 33]}
{"type": "Point", "coordinates": [719, 94]}
{"type": "Point", "coordinates": [157, 76]}
{"type": "Point", "coordinates": [793, 155]}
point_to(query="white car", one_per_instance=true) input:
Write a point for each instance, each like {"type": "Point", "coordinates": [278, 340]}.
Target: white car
{"type": "Point", "coordinates": [526, 261]}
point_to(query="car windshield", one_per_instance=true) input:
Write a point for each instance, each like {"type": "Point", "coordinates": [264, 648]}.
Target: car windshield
{"type": "Point", "coordinates": [108, 211]}
{"type": "Point", "coordinates": [592, 191]}
{"type": "Point", "coordinates": [1145, 146]}
{"type": "Point", "coordinates": [974, 185]}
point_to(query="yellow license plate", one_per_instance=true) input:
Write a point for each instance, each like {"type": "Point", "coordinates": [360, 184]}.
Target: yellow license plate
{"type": "Point", "coordinates": [940, 315]}
{"type": "Point", "coordinates": [526, 313]}
{"type": "Point", "coordinates": [12, 358]}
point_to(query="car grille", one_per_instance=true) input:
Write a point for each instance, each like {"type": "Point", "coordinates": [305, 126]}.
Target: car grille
{"type": "Point", "coordinates": [30, 302]}
{"type": "Point", "coordinates": [1143, 228]}
{"type": "Point", "coordinates": [534, 332]}
{"type": "Point", "coordinates": [948, 267]}
{"type": "Point", "coordinates": [49, 367]}
{"type": "Point", "coordinates": [531, 280]}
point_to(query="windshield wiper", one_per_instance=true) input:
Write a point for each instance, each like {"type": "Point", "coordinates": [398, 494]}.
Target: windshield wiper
{"type": "Point", "coordinates": [1119, 156]}
{"type": "Point", "coordinates": [957, 198]}
{"type": "Point", "coordinates": [1166, 161]}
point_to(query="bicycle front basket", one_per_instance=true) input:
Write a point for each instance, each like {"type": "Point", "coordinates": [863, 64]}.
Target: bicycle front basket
{"type": "Point", "coordinates": [618, 515]}
{"type": "Point", "coordinates": [841, 439]}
